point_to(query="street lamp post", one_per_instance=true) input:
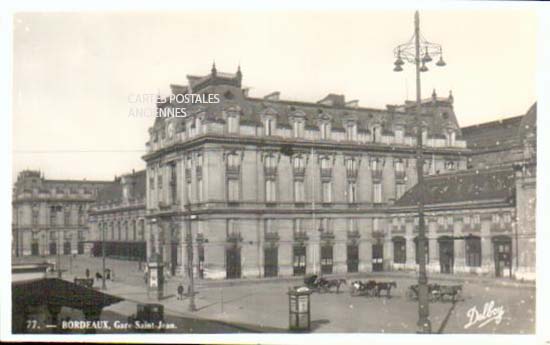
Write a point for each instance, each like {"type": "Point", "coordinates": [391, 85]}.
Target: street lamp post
{"type": "Point", "coordinates": [58, 255]}
{"type": "Point", "coordinates": [189, 238]}
{"type": "Point", "coordinates": [410, 52]}
{"type": "Point", "coordinates": [103, 285]}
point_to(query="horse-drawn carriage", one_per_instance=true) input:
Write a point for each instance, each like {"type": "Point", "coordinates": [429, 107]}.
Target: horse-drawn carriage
{"type": "Point", "coordinates": [321, 284]}
{"type": "Point", "coordinates": [371, 288]}
{"type": "Point", "coordinates": [437, 292]}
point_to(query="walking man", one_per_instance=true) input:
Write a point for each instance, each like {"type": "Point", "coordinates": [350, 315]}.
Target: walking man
{"type": "Point", "coordinates": [180, 292]}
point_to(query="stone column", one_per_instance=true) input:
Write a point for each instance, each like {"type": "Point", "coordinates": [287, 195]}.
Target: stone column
{"type": "Point", "coordinates": [433, 249]}
{"type": "Point", "coordinates": [365, 245]}
{"type": "Point", "coordinates": [487, 256]}
{"type": "Point", "coordinates": [459, 249]}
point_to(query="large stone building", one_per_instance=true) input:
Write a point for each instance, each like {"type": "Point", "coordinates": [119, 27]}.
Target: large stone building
{"type": "Point", "coordinates": [49, 217]}
{"type": "Point", "coordinates": [271, 187]}
{"type": "Point", "coordinates": [117, 218]}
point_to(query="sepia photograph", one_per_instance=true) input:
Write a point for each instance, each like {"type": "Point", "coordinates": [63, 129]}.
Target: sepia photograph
{"type": "Point", "coordinates": [303, 172]}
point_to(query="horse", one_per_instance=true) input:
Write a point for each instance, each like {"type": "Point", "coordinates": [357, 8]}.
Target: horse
{"type": "Point", "coordinates": [328, 284]}
{"type": "Point", "coordinates": [386, 286]}
{"type": "Point", "coordinates": [453, 291]}
{"type": "Point", "coordinates": [98, 276]}
{"type": "Point", "coordinates": [358, 287]}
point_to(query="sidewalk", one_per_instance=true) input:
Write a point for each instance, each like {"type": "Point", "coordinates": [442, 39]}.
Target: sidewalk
{"type": "Point", "coordinates": [172, 306]}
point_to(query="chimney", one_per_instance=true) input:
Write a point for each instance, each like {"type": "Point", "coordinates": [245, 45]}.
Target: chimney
{"type": "Point", "coordinates": [333, 100]}
{"type": "Point", "coordinates": [274, 96]}
{"type": "Point", "coordinates": [353, 104]}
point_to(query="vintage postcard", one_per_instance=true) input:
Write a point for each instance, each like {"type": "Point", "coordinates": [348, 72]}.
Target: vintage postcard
{"type": "Point", "coordinates": [273, 173]}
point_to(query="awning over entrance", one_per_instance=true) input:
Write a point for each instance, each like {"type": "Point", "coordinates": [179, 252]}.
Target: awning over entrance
{"type": "Point", "coordinates": [56, 293]}
{"type": "Point", "coordinates": [60, 292]}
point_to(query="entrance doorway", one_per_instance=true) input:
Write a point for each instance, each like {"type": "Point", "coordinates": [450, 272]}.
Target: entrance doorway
{"type": "Point", "coordinates": [377, 257]}
{"type": "Point", "coordinates": [67, 248]}
{"type": "Point", "coordinates": [326, 259]}
{"type": "Point", "coordinates": [173, 258]}
{"type": "Point", "coordinates": [353, 258]}
{"type": "Point", "coordinates": [233, 262]}
{"type": "Point", "coordinates": [446, 254]}
{"type": "Point", "coordinates": [271, 261]}
{"type": "Point", "coordinates": [502, 249]}
{"type": "Point", "coordinates": [34, 248]}
{"type": "Point", "coordinates": [299, 260]}
{"type": "Point", "coordinates": [53, 248]}
{"type": "Point", "coordinates": [80, 248]}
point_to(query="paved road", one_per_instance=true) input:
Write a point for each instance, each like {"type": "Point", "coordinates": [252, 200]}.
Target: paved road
{"type": "Point", "coordinates": [264, 307]}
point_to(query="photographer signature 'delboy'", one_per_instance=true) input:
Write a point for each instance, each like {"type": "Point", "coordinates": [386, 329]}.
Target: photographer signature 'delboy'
{"type": "Point", "coordinates": [489, 313]}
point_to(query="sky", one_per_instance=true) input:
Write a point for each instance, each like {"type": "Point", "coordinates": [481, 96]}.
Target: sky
{"type": "Point", "coordinates": [76, 75]}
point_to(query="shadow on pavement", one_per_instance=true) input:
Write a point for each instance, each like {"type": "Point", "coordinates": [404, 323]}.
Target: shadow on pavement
{"type": "Point", "coordinates": [315, 324]}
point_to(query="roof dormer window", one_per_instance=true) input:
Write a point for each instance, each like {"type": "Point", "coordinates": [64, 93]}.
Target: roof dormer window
{"type": "Point", "coordinates": [324, 128]}
{"type": "Point", "coordinates": [233, 124]}
{"type": "Point", "coordinates": [269, 126]}
{"type": "Point", "coordinates": [298, 128]}
{"type": "Point", "coordinates": [351, 131]}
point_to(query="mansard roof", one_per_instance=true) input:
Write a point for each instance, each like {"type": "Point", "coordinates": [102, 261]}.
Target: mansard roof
{"type": "Point", "coordinates": [464, 186]}
{"type": "Point", "coordinates": [333, 106]}
{"type": "Point", "coordinates": [113, 191]}
{"type": "Point", "coordinates": [493, 134]}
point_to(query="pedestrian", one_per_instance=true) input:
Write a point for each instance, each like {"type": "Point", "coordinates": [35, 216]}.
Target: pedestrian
{"type": "Point", "coordinates": [112, 275]}
{"type": "Point", "coordinates": [180, 292]}
{"type": "Point", "coordinates": [87, 273]}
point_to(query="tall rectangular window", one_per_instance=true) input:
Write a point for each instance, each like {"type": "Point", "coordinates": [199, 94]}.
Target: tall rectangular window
{"type": "Point", "coordinates": [377, 190]}
{"type": "Point", "coordinates": [325, 130]}
{"type": "Point", "coordinates": [326, 259]}
{"type": "Point", "coordinates": [189, 192]}
{"type": "Point", "coordinates": [351, 132]}
{"type": "Point", "coordinates": [299, 191]}
{"type": "Point", "coordinates": [233, 190]}
{"type": "Point", "coordinates": [327, 192]}
{"type": "Point", "coordinates": [35, 216]}
{"type": "Point", "coordinates": [67, 216]}
{"type": "Point", "coordinates": [473, 251]}
{"type": "Point", "coordinates": [399, 136]}
{"type": "Point", "coordinates": [270, 191]}
{"type": "Point", "coordinates": [298, 129]}
{"type": "Point", "coordinates": [159, 182]}
{"type": "Point", "coordinates": [269, 125]}
{"type": "Point", "coordinates": [232, 124]}
{"type": "Point", "coordinates": [298, 164]}
{"type": "Point", "coordinates": [173, 184]}
{"type": "Point", "coordinates": [352, 192]}
{"type": "Point", "coordinates": [233, 162]}
{"type": "Point", "coordinates": [399, 250]}
{"type": "Point", "coordinates": [53, 215]}
{"type": "Point", "coordinates": [200, 193]}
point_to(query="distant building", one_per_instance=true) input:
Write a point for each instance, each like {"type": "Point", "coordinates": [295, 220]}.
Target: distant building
{"type": "Point", "coordinates": [50, 216]}
{"type": "Point", "coordinates": [117, 218]}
